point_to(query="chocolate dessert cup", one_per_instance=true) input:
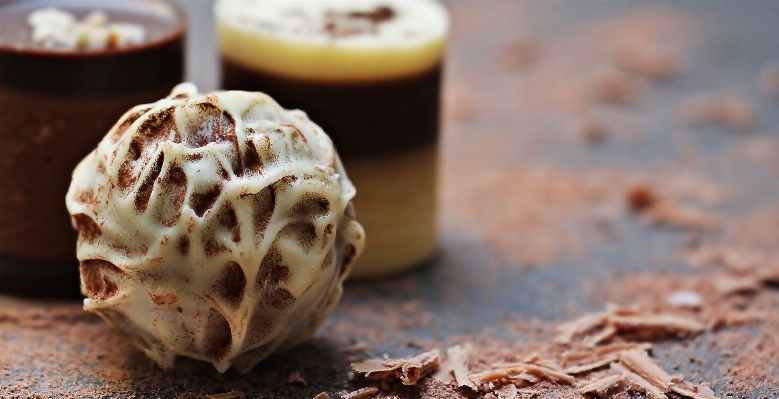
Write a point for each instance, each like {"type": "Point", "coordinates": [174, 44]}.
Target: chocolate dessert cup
{"type": "Point", "coordinates": [56, 106]}
{"type": "Point", "coordinates": [369, 73]}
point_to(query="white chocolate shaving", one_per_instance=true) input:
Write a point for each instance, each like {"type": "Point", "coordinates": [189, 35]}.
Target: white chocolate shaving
{"type": "Point", "coordinates": [218, 227]}
{"type": "Point", "coordinates": [57, 29]}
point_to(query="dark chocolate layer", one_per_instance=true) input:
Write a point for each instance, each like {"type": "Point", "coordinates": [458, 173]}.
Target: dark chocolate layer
{"type": "Point", "coordinates": [364, 119]}
{"type": "Point", "coordinates": [42, 140]}
{"type": "Point", "coordinates": [94, 74]}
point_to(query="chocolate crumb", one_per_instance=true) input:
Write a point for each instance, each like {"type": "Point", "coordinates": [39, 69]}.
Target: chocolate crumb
{"type": "Point", "coordinates": [228, 395]}
{"type": "Point", "coordinates": [520, 54]}
{"type": "Point", "coordinates": [295, 377]}
{"type": "Point", "coordinates": [641, 198]}
{"type": "Point", "coordinates": [731, 112]}
{"type": "Point", "coordinates": [684, 299]}
{"type": "Point", "coordinates": [361, 393]}
{"type": "Point", "coordinates": [506, 392]}
{"type": "Point", "coordinates": [614, 86]}
{"type": "Point", "coordinates": [664, 212]}
{"type": "Point", "coordinates": [592, 131]}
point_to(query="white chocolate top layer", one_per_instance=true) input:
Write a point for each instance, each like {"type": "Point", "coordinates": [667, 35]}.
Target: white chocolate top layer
{"type": "Point", "coordinates": [218, 227]}
{"type": "Point", "coordinates": [57, 29]}
{"type": "Point", "coordinates": [333, 40]}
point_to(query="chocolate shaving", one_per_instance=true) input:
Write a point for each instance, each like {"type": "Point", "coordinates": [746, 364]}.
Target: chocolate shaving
{"type": "Point", "coordinates": [322, 395]}
{"type": "Point", "coordinates": [456, 365]}
{"type": "Point", "coordinates": [603, 386]}
{"type": "Point", "coordinates": [730, 285]}
{"type": "Point", "coordinates": [527, 378]}
{"type": "Point", "coordinates": [627, 322]}
{"type": "Point", "coordinates": [409, 371]}
{"type": "Point", "coordinates": [499, 375]}
{"type": "Point", "coordinates": [606, 334]}
{"type": "Point", "coordinates": [694, 392]}
{"type": "Point", "coordinates": [737, 318]}
{"type": "Point", "coordinates": [656, 326]}
{"type": "Point", "coordinates": [638, 383]}
{"type": "Point", "coordinates": [548, 374]}
{"type": "Point", "coordinates": [521, 371]}
{"type": "Point", "coordinates": [295, 377]}
{"type": "Point", "coordinates": [361, 393]}
{"type": "Point", "coordinates": [582, 325]}
{"type": "Point", "coordinates": [639, 362]}
{"type": "Point", "coordinates": [586, 361]}
{"type": "Point", "coordinates": [636, 371]}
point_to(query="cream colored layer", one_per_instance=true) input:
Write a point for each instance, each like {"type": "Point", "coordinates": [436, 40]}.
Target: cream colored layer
{"type": "Point", "coordinates": [291, 39]}
{"type": "Point", "coordinates": [396, 204]}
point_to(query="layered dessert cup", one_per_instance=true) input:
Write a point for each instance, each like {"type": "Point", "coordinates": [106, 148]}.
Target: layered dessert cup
{"type": "Point", "coordinates": [369, 73]}
{"type": "Point", "coordinates": [68, 71]}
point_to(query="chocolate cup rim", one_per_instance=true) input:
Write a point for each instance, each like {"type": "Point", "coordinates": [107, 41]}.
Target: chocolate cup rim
{"type": "Point", "coordinates": [181, 30]}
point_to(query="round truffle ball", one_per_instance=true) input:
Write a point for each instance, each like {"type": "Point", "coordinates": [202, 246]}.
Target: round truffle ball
{"type": "Point", "coordinates": [218, 227]}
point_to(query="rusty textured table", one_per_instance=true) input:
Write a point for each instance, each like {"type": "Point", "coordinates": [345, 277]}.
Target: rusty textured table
{"type": "Point", "coordinates": [499, 113]}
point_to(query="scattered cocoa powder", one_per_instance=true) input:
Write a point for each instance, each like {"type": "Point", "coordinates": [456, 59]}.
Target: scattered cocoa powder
{"type": "Point", "coordinates": [520, 54]}
{"type": "Point", "coordinates": [616, 87]}
{"type": "Point", "coordinates": [592, 131]}
{"type": "Point", "coordinates": [728, 111]}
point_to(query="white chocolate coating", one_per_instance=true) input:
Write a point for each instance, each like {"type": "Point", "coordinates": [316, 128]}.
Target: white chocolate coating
{"type": "Point", "coordinates": [217, 227]}
{"type": "Point", "coordinates": [333, 40]}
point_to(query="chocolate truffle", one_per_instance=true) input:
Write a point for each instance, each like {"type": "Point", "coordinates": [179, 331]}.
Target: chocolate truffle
{"type": "Point", "coordinates": [217, 227]}
{"type": "Point", "coordinates": [369, 72]}
{"type": "Point", "coordinates": [66, 75]}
